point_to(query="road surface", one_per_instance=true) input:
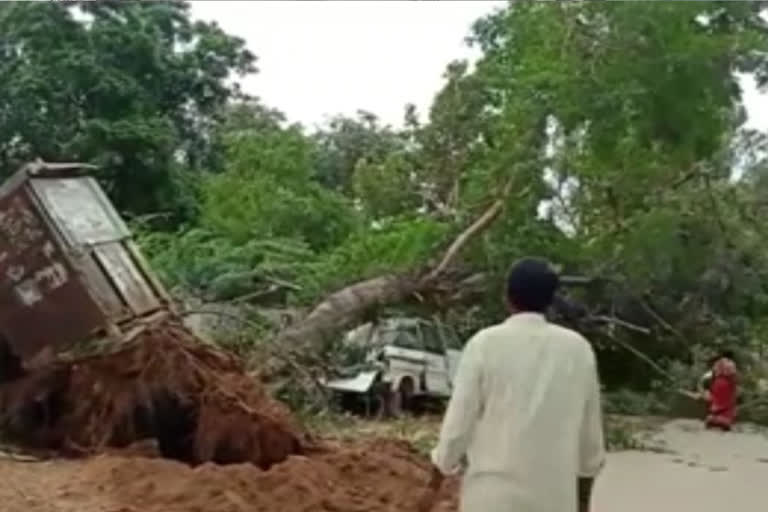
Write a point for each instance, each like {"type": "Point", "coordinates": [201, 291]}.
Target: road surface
{"type": "Point", "coordinates": [701, 471]}
{"type": "Point", "coordinates": [704, 471]}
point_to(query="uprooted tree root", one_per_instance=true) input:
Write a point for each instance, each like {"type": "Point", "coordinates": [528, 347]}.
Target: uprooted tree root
{"type": "Point", "coordinates": [197, 402]}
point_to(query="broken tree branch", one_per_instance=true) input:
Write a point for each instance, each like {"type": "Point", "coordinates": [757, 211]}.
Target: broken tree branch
{"type": "Point", "coordinates": [637, 353]}
{"type": "Point", "coordinates": [656, 316]}
{"type": "Point", "coordinates": [343, 308]}
{"type": "Point", "coordinates": [480, 225]}
{"type": "Point", "coordinates": [621, 323]}
{"type": "Point", "coordinates": [254, 296]}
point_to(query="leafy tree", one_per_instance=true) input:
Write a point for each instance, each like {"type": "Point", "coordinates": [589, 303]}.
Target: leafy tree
{"type": "Point", "coordinates": [604, 135]}
{"type": "Point", "coordinates": [635, 157]}
{"type": "Point", "coordinates": [347, 142]}
{"type": "Point", "coordinates": [267, 190]}
{"type": "Point", "coordinates": [132, 86]}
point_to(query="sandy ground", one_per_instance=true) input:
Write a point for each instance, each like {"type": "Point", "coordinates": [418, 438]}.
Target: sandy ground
{"type": "Point", "coordinates": [704, 471]}
{"type": "Point", "coordinates": [700, 471]}
{"type": "Point", "coordinates": [41, 487]}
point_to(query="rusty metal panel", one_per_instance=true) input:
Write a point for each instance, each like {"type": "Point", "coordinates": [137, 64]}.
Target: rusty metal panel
{"type": "Point", "coordinates": [68, 268]}
{"type": "Point", "coordinates": [127, 278]}
{"type": "Point", "coordinates": [42, 300]}
{"type": "Point", "coordinates": [80, 210]}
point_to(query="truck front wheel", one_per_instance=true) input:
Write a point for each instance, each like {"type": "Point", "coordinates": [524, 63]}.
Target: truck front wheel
{"type": "Point", "coordinates": [11, 367]}
{"type": "Point", "coordinates": [401, 399]}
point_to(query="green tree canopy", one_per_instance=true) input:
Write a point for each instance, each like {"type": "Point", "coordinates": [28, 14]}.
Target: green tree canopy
{"type": "Point", "coordinates": [606, 136]}
{"type": "Point", "coordinates": [134, 87]}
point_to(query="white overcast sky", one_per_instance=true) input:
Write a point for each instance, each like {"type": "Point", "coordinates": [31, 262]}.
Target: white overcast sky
{"type": "Point", "coordinates": [320, 58]}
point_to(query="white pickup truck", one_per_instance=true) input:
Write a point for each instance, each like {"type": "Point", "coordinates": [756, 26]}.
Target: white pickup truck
{"type": "Point", "coordinates": [401, 359]}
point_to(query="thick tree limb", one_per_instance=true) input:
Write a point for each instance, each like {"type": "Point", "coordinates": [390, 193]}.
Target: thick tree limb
{"type": "Point", "coordinates": [485, 220]}
{"type": "Point", "coordinates": [637, 353]}
{"type": "Point", "coordinates": [656, 316]}
{"type": "Point", "coordinates": [576, 311]}
{"type": "Point", "coordinates": [621, 323]}
{"type": "Point", "coordinates": [480, 225]}
{"type": "Point", "coordinates": [342, 309]}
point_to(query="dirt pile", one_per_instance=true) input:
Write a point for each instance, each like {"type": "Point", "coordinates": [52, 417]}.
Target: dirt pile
{"type": "Point", "coordinates": [235, 448]}
{"type": "Point", "coordinates": [196, 401]}
{"type": "Point", "coordinates": [372, 476]}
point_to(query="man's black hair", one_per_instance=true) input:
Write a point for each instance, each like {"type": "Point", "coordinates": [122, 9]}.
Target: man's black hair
{"type": "Point", "coordinates": [531, 285]}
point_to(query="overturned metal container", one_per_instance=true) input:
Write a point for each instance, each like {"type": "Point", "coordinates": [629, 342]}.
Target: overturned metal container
{"type": "Point", "coordinates": [69, 269]}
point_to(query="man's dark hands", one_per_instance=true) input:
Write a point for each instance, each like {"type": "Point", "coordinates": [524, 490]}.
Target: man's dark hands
{"type": "Point", "coordinates": [585, 493]}
{"type": "Point", "coordinates": [436, 479]}
{"type": "Point", "coordinates": [427, 500]}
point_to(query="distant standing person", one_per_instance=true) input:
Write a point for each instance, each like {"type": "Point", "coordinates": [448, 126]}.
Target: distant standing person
{"type": "Point", "coordinates": [706, 380]}
{"type": "Point", "coordinates": [525, 410]}
{"type": "Point", "coordinates": [723, 391]}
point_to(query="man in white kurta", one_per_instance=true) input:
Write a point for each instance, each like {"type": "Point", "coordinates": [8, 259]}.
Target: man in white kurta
{"type": "Point", "coordinates": [525, 410]}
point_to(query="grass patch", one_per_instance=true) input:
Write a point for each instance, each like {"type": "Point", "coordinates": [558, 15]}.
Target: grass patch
{"type": "Point", "coordinates": [420, 431]}
{"type": "Point", "coordinates": [621, 432]}
{"type": "Point", "coordinates": [624, 433]}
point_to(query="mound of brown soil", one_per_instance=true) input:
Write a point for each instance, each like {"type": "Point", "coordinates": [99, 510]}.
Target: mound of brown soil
{"type": "Point", "coordinates": [196, 401]}
{"type": "Point", "coordinates": [374, 476]}
{"type": "Point", "coordinates": [198, 406]}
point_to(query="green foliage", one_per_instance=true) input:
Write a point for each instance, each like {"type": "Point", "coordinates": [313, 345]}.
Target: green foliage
{"type": "Point", "coordinates": [637, 162]}
{"type": "Point", "coordinates": [609, 130]}
{"type": "Point", "coordinates": [220, 268]}
{"type": "Point", "coordinates": [396, 245]}
{"type": "Point", "coordinates": [585, 107]}
{"type": "Point", "coordinates": [132, 86]}
{"type": "Point", "coordinates": [386, 188]}
{"type": "Point", "coordinates": [632, 403]}
{"type": "Point", "coordinates": [347, 143]}
{"type": "Point", "coordinates": [266, 192]}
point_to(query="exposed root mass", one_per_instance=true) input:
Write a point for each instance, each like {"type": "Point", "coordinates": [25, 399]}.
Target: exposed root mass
{"type": "Point", "coordinates": [197, 402]}
{"type": "Point", "coordinates": [167, 396]}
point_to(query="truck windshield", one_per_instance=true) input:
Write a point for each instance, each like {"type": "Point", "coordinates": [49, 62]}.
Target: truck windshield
{"type": "Point", "coordinates": [432, 340]}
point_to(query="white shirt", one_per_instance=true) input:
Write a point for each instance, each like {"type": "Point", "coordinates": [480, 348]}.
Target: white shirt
{"type": "Point", "coordinates": [525, 411]}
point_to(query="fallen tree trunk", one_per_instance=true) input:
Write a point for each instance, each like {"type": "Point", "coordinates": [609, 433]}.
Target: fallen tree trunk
{"type": "Point", "coordinates": [195, 401]}
{"type": "Point", "coordinates": [346, 307]}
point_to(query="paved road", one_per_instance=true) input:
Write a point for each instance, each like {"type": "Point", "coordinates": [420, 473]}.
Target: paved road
{"type": "Point", "coordinates": [706, 472]}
